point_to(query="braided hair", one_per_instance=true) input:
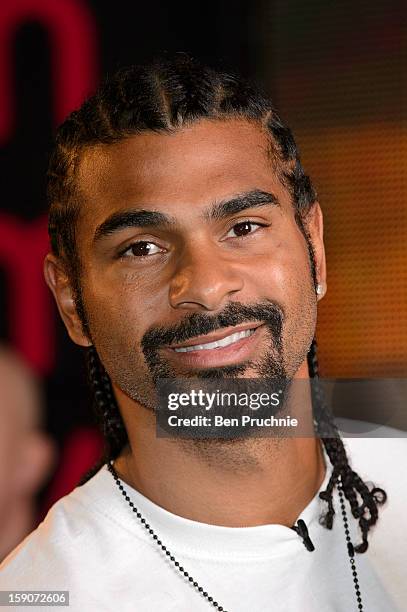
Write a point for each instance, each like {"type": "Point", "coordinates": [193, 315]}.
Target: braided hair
{"type": "Point", "coordinates": [352, 485]}
{"type": "Point", "coordinates": [164, 97]}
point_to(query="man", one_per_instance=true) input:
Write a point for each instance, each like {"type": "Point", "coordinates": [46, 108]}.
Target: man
{"type": "Point", "coordinates": [187, 242]}
{"type": "Point", "coordinates": [26, 453]}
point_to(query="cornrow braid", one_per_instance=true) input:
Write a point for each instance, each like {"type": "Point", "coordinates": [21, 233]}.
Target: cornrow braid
{"type": "Point", "coordinates": [352, 485]}
{"type": "Point", "coordinates": [163, 97]}
{"type": "Point", "coordinates": [107, 412]}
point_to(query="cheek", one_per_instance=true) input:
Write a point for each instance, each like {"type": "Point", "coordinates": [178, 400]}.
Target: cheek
{"type": "Point", "coordinates": [118, 320]}
{"type": "Point", "coordinates": [122, 295]}
{"type": "Point", "coordinates": [295, 279]}
{"type": "Point", "coordinates": [284, 276]}
{"type": "Point", "coordinates": [283, 272]}
{"type": "Point", "coordinates": [119, 315]}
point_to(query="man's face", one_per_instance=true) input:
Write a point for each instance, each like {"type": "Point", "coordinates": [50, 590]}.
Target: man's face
{"type": "Point", "coordinates": [187, 240]}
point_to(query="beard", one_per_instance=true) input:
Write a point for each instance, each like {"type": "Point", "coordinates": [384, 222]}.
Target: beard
{"type": "Point", "coordinates": [267, 372]}
{"type": "Point", "coordinates": [140, 374]}
{"type": "Point", "coordinates": [197, 324]}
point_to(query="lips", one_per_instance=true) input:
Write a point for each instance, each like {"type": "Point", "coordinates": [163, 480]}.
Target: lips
{"type": "Point", "coordinates": [219, 339]}
{"type": "Point", "coordinates": [229, 346]}
{"type": "Point", "coordinates": [231, 339]}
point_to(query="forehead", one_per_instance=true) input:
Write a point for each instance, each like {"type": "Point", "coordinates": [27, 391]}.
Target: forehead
{"type": "Point", "coordinates": [192, 167]}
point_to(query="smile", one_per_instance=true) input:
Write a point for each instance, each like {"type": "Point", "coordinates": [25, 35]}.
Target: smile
{"type": "Point", "coordinates": [231, 339]}
{"type": "Point", "coordinates": [223, 347]}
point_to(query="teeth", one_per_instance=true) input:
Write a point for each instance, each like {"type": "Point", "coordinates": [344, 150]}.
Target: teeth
{"type": "Point", "coordinates": [217, 344]}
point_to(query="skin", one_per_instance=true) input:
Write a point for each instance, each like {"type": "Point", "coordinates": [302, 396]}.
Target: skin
{"type": "Point", "coordinates": [198, 266]}
{"type": "Point", "coordinates": [27, 455]}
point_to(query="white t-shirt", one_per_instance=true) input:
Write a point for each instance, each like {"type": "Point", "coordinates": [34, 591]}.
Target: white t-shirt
{"type": "Point", "coordinates": [92, 545]}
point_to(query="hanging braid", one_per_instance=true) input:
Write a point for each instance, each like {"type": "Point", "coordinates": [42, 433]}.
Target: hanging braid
{"type": "Point", "coordinates": [107, 412]}
{"type": "Point", "coordinates": [164, 97]}
{"type": "Point", "coordinates": [352, 485]}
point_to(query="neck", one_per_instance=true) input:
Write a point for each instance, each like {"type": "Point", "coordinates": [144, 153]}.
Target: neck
{"type": "Point", "coordinates": [17, 522]}
{"type": "Point", "coordinates": [238, 483]}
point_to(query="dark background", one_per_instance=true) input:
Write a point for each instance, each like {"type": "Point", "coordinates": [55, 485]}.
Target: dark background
{"type": "Point", "coordinates": [333, 69]}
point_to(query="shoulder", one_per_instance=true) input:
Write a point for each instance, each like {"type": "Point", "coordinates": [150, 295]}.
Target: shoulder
{"type": "Point", "coordinates": [50, 542]}
{"type": "Point", "coordinates": [85, 545]}
{"type": "Point", "coordinates": [75, 528]}
{"type": "Point", "coordinates": [380, 461]}
{"type": "Point", "coordinates": [375, 449]}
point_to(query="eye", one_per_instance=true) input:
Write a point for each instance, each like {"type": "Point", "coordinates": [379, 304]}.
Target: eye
{"type": "Point", "coordinates": [140, 249]}
{"type": "Point", "coordinates": [243, 229]}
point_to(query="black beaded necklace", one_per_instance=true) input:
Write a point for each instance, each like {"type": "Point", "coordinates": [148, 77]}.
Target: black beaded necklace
{"type": "Point", "coordinates": [299, 530]}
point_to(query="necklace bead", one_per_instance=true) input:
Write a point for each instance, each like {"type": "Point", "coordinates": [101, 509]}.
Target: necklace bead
{"type": "Point", "coordinates": [196, 585]}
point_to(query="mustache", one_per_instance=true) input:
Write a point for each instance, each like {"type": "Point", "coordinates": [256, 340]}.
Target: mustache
{"type": "Point", "coordinates": [198, 323]}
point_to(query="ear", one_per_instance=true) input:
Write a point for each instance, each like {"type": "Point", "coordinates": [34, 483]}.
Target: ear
{"type": "Point", "coordinates": [314, 224]}
{"type": "Point", "coordinates": [60, 285]}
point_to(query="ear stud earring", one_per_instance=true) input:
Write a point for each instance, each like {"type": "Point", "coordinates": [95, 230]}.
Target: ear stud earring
{"type": "Point", "coordinates": [319, 289]}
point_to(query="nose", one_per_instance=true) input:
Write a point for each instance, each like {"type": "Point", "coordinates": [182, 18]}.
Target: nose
{"type": "Point", "coordinates": [203, 279]}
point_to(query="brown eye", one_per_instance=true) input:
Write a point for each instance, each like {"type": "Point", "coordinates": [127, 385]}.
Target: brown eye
{"type": "Point", "coordinates": [243, 229]}
{"type": "Point", "coordinates": [141, 249]}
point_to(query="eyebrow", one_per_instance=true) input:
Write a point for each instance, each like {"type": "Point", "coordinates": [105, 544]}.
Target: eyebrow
{"type": "Point", "coordinates": [251, 199]}
{"type": "Point", "coordinates": [131, 218]}
{"type": "Point", "coordinates": [151, 218]}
